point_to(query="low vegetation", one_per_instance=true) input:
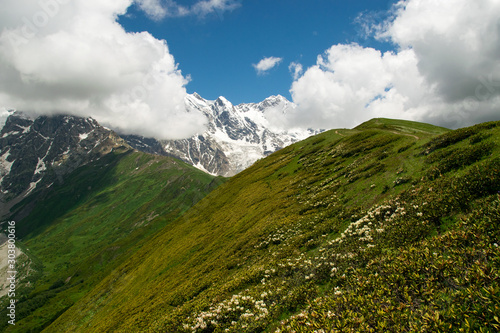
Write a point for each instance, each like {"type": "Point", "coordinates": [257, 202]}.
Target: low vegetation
{"type": "Point", "coordinates": [84, 228]}
{"type": "Point", "coordinates": [390, 227]}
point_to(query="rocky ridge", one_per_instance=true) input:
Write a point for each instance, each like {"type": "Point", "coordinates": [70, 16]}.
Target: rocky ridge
{"type": "Point", "coordinates": [35, 153]}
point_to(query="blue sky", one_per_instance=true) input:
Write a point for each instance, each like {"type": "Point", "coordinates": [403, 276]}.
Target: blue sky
{"type": "Point", "coordinates": [217, 51]}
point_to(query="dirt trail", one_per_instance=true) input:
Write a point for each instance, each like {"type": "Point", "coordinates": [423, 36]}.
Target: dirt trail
{"type": "Point", "coordinates": [413, 136]}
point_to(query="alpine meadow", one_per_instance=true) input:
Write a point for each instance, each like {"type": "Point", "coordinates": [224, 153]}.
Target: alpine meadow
{"type": "Point", "coordinates": [392, 226]}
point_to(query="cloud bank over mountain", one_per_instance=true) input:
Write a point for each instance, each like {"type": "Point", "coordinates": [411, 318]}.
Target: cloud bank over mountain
{"type": "Point", "coordinates": [445, 69]}
{"type": "Point", "coordinates": [74, 57]}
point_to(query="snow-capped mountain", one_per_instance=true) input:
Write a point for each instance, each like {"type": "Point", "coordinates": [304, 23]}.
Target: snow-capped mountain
{"type": "Point", "coordinates": [236, 136]}
{"type": "Point", "coordinates": [34, 153]}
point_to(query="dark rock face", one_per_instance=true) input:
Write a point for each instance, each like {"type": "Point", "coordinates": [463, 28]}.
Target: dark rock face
{"type": "Point", "coordinates": [34, 153]}
{"type": "Point", "coordinates": [146, 145]}
{"type": "Point", "coordinates": [201, 151]}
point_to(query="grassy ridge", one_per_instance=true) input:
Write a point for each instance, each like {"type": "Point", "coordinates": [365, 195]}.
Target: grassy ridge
{"type": "Point", "coordinates": [296, 235]}
{"type": "Point", "coordinates": [101, 215]}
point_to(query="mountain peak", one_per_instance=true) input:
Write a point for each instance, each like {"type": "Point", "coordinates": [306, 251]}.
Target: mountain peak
{"type": "Point", "coordinates": [197, 96]}
{"type": "Point", "coordinates": [223, 100]}
{"type": "Point", "coordinates": [277, 97]}
{"type": "Point", "coordinates": [236, 135]}
{"type": "Point", "coordinates": [21, 115]}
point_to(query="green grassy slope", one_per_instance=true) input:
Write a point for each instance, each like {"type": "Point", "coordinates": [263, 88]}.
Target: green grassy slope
{"type": "Point", "coordinates": [391, 226]}
{"type": "Point", "coordinates": [101, 215]}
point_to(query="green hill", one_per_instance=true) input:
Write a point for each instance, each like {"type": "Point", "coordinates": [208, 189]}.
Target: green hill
{"type": "Point", "coordinates": [79, 231]}
{"type": "Point", "coordinates": [390, 227]}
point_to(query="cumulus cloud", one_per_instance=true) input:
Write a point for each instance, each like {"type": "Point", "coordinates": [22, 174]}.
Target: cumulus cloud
{"type": "Point", "coordinates": [456, 42]}
{"type": "Point", "coordinates": [61, 56]}
{"type": "Point", "coordinates": [267, 64]}
{"type": "Point", "coordinates": [445, 70]}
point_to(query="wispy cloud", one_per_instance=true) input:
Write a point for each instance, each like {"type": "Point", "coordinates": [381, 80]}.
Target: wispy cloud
{"type": "Point", "coordinates": [267, 64]}
{"type": "Point", "coordinates": [153, 8]}
{"type": "Point", "coordinates": [159, 9]}
{"type": "Point", "coordinates": [203, 8]}
{"type": "Point", "coordinates": [296, 69]}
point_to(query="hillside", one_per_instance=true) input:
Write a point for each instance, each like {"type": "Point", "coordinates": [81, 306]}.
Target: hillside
{"type": "Point", "coordinates": [81, 229]}
{"type": "Point", "coordinates": [392, 226]}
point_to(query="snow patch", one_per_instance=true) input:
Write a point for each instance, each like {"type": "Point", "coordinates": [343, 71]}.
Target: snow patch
{"type": "Point", "coordinates": [40, 166]}
{"type": "Point", "coordinates": [25, 129]}
{"type": "Point", "coordinates": [43, 136]}
{"type": "Point", "coordinates": [33, 185]}
{"type": "Point", "coordinates": [84, 136]}
{"type": "Point", "coordinates": [199, 166]}
{"type": "Point", "coordinates": [8, 133]}
{"type": "Point", "coordinates": [5, 166]}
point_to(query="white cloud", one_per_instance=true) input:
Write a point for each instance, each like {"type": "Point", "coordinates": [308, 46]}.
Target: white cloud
{"type": "Point", "coordinates": [296, 69]}
{"type": "Point", "coordinates": [61, 56]}
{"type": "Point", "coordinates": [159, 9]}
{"type": "Point", "coordinates": [445, 70]}
{"type": "Point", "coordinates": [267, 64]}
{"type": "Point", "coordinates": [455, 41]}
{"type": "Point", "coordinates": [203, 8]}
{"type": "Point", "coordinates": [153, 8]}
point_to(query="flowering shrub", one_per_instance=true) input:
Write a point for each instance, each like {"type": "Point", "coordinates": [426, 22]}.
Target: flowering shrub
{"type": "Point", "coordinates": [423, 259]}
{"type": "Point", "coordinates": [446, 283]}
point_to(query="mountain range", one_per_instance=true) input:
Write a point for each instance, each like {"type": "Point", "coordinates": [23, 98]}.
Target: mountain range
{"type": "Point", "coordinates": [236, 136]}
{"type": "Point", "coordinates": [36, 152]}
{"type": "Point", "coordinates": [390, 226]}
